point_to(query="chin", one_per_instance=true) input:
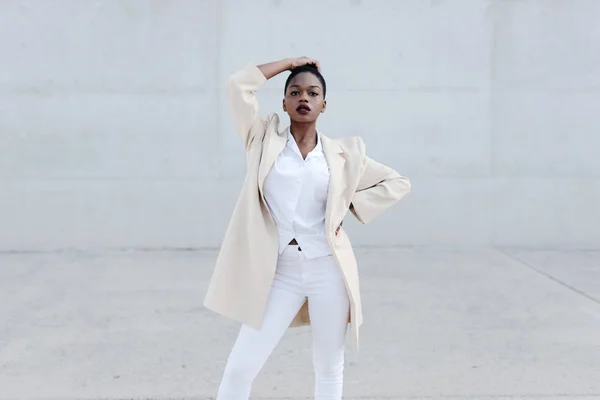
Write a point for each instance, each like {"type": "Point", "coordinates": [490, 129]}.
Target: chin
{"type": "Point", "coordinates": [303, 118]}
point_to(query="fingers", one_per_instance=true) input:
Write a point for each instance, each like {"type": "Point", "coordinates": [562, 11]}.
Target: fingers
{"type": "Point", "coordinates": [315, 63]}
{"type": "Point", "coordinates": [305, 61]}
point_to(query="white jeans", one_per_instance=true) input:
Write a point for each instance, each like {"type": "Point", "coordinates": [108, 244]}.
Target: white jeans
{"type": "Point", "coordinates": [320, 281]}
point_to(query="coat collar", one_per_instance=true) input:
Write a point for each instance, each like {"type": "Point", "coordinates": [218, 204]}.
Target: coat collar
{"type": "Point", "coordinates": [271, 148]}
{"type": "Point", "coordinates": [336, 161]}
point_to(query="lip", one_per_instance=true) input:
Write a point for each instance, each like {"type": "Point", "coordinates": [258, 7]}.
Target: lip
{"type": "Point", "coordinates": [303, 109]}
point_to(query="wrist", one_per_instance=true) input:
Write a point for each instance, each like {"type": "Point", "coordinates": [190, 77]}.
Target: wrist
{"type": "Point", "coordinates": [287, 63]}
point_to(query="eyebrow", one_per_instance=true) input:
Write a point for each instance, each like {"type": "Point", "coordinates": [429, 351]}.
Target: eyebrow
{"type": "Point", "coordinates": [313, 86]}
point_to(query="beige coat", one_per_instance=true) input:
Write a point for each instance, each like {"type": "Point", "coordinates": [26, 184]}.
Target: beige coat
{"type": "Point", "coordinates": [245, 267]}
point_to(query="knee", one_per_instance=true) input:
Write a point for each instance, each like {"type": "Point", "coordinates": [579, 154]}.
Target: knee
{"type": "Point", "coordinates": [238, 373]}
{"type": "Point", "coordinates": [329, 368]}
{"type": "Point", "coordinates": [330, 371]}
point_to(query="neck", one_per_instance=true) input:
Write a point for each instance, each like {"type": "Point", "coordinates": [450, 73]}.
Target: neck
{"type": "Point", "coordinates": [304, 133]}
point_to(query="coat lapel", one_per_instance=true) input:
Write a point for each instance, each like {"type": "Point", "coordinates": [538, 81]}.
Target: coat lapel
{"type": "Point", "coordinates": [272, 148]}
{"type": "Point", "coordinates": [335, 159]}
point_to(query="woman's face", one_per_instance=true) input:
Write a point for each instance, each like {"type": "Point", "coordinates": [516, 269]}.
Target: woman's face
{"type": "Point", "coordinates": [304, 100]}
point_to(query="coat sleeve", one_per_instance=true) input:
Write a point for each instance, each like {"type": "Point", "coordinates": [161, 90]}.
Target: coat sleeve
{"type": "Point", "coordinates": [378, 189]}
{"type": "Point", "coordinates": [241, 88]}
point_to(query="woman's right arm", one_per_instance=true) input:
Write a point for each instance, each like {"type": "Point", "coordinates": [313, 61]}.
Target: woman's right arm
{"type": "Point", "coordinates": [241, 88]}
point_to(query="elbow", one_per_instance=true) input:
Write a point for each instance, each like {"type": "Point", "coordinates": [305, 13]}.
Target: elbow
{"type": "Point", "coordinates": [407, 184]}
{"type": "Point", "coordinates": [402, 186]}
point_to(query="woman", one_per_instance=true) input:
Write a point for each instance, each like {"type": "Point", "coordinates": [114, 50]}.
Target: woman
{"type": "Point", "coordinates": [285, 259]}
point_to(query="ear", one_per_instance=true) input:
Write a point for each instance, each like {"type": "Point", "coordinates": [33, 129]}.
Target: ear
{"type": "Point", "coordinates": [284, 107]}
{"type": "Point", "coordinates": [324, 106]}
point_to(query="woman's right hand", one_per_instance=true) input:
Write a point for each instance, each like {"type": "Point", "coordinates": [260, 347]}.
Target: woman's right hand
{"type": "Point", "coordinates": [271, 69]}
{"type": "Point", "coordinates": [300, 61]}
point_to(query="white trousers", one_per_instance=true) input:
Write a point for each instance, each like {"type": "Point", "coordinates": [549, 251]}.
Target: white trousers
{"type": "Point", "coordinates": [320, 281]}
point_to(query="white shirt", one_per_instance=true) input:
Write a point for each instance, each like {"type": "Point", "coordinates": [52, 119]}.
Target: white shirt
{"type": "Point", "coordinates": [296, 193]}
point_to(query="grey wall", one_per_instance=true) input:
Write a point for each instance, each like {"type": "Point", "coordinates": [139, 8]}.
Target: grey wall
{"type": "Point", "coordinates": [114, 130]}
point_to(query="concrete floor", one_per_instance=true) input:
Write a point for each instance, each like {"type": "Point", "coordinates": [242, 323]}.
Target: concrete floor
{"type": "Point", "coordinates": [439, 323]}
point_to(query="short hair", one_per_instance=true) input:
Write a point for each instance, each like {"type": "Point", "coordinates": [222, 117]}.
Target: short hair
{"type": "Point", "coordinates": [310, 68]}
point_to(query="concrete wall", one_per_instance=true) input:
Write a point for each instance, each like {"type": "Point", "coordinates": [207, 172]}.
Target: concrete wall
{"type": "Point", "coordinates": [114, 130]}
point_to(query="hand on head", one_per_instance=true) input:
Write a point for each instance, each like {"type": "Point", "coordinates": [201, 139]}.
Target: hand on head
{"type": "Point", "coordinates": [300, 61]}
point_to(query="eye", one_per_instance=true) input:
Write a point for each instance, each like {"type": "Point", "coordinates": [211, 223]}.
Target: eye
{"type": "Point", "coordinates": [294, 93]}
{"type": "Point", "coordinates": [314, 94]}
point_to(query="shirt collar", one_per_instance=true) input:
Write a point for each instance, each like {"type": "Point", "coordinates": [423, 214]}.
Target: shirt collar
{"type": "Point", "coordinates": [292, 143]}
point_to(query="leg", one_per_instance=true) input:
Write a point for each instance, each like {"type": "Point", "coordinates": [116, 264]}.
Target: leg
{"type": "Point", "coordinates": [328, 307]}
{"type": "Point", "coordinates": [252, 348]}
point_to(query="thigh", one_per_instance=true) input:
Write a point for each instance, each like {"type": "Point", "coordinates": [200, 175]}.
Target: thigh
{"type": "Point", "coordinates": [253, 347]}
{"type": "Point", "coordinates": [329, 307]}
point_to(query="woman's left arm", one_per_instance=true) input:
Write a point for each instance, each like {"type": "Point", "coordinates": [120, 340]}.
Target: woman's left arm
{"type": "Point", "coordinates": [379, 188]}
